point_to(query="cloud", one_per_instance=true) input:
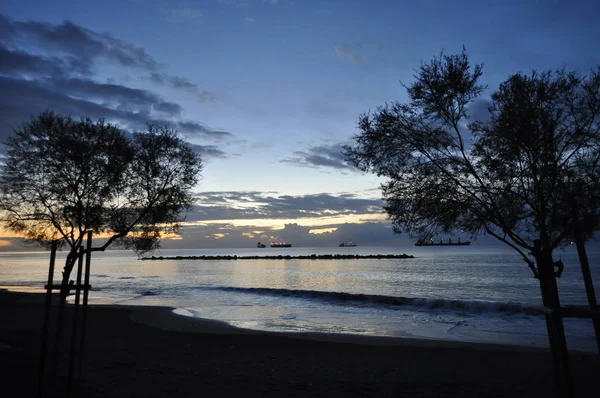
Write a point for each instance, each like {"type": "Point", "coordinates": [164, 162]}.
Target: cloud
{"type": "Point", "coordinates": [319, 156]}
{"type": "Point", "coordinates": [208, 151]}
{"type": "Point", "coordinates": [45, 66]}
{"type": "Point", "coordinates": [197, 128]}
{"type": "Point", "coordinates": [167, 108]}
{"type": "Point", "coordinates": [83, 44]}
{"type": "Point", "coordinates": [120, 96]}
{"type": "Point", "coordinates": [215, 220]}
{"type": "Point", "coordinates": [131, 108]}
{"type": "Point", "coordinates": [78, 49]}
{"type": "Point", "coordinates": [182, 83]}
{"type": "Point", "coordinates": [348, 53]}
{"type": "Point", "coordinates": [229, 236]}
{"type": "Point", "coordinates": [19, 61]}
{"type": "Point", "coordinates": [234, 205]}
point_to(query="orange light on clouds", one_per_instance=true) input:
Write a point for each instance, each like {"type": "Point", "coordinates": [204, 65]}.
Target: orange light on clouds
{"type": "Point", "coordinates": [5, 243]}
{"type": "Point", "coordinates": [4, 233]}
{"type": "Point", "coordinates": [322, 231]}
{"type": "Point", "coordinates": [171, 236]}
{"type": "Point", "coordinates": [277, 224]}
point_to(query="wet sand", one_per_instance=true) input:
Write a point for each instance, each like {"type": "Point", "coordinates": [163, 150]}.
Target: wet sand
{"type": "Point", "coordinates": [151, 352]}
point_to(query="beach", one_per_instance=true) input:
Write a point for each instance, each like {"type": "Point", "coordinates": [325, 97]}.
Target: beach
{"type": "Point", "coordinates": [152, 352]}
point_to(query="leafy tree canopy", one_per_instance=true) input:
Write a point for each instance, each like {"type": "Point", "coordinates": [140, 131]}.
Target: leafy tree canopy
{"type": "Point", "coordinates": [528, 173]}
{"type": "Point", "coordinates": [63, 177]}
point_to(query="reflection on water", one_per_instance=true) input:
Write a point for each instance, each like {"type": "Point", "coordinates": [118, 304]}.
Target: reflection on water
{"type": "Point", "coordinates": [242, 291]}
{"type": "Point", "coordinates": [161, 268]}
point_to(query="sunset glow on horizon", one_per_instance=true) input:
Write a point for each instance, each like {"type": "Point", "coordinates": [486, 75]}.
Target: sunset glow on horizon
{"type": "Point", "coordinates": [268, 92]}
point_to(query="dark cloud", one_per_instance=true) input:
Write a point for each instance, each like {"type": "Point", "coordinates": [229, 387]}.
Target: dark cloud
{"type": "Point", "coordinates": [6, 28]}
{"type": "Point", "coordinates": [330, 156]}
{"type": "Point", "coordinates": [23, 63]}
{"type": "Point", "coordinates": [208, 151]}
{"type": "Point", "coordinates": [197, 128]}
{"type": "Point", "coordinates": [249, 205]}
{"type": "Point", "coordinates": [118, 95]}
{"type": "Point", "coordinates": [181, 83]}
{"type": "Point", "coordinates": [45, 66]}
{"type": "Point", "coordinates": [168, 108]}
{"type": "Point", "coordinates": [68, 38]}
{"type": "Point", "coordinates": [131, 108]}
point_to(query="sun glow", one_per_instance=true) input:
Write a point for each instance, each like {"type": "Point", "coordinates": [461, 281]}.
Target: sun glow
{"type": "Point", "coordinates": [279, 223]}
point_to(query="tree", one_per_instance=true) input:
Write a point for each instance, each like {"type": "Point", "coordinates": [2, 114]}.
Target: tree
{"type": "Point", "coordinates": [513, 176]}
{"type": "Point", "coordinates": [62, 178]}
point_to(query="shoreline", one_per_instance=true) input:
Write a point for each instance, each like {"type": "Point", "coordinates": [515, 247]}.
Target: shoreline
{"type": "Point", "coordinates": [151, 351]}
{"type": "Point", "coordinates": [166, 317]}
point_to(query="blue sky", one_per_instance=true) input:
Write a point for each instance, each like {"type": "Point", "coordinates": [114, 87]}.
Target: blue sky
{"type": "Point", "coordinates": [269, 90]}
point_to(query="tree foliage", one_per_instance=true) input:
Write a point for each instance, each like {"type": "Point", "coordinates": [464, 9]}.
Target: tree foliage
{"type": "Point", "coordinates": [63, 177]}
{"type": "Point", "coordinates": [528, 173]}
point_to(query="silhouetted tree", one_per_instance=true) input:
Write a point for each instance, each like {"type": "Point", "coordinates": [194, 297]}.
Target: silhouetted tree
{"type": "Point", "coordinates": [513, 176]}
{"type": "Point", "coordinates": [62, 178]}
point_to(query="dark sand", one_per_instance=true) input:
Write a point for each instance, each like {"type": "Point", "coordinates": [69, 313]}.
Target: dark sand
{"type": "Point", "coordinates": [130, 352]}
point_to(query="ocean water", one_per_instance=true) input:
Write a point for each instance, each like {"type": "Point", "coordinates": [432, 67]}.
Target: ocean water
{"type": "Point", "coordinates": [474, 293]}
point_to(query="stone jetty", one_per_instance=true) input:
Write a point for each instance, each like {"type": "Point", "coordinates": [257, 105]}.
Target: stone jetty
{"type": "Point", "coordinates": [283, 257]}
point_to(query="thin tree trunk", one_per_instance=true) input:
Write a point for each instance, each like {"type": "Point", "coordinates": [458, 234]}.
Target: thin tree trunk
{"type": "Point", "coordinates": [554, 321]}
{"type": "Point", "coordinates": [589, 284]}
{"type": "Point", "coordinates": [65, 285]}
{"type": "Point", "coordinates": [64, 292]}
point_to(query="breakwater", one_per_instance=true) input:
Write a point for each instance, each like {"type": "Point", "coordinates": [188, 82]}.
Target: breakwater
{"type": "Point", "coordinates": [283, 257]}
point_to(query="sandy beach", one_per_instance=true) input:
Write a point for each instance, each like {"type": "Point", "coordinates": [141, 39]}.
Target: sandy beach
{"type": "Point", "coordinates": [151, 352]}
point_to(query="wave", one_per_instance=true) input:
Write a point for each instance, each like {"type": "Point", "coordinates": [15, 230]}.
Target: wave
{"type": "Point", "coordinates": [478, 306]}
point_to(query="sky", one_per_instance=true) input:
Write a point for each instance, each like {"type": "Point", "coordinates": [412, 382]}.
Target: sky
{"type": "Point", "coordinates": [268, 91]}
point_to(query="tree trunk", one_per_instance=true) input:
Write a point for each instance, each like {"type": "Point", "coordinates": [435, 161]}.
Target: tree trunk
{"type": "Point", "coordinates": [589, 284]}
{"type": "Point", "coordinates": [587, 276]}
{"type": "Point", "coordinates": [554, 321]}
{"type": "Point", "coordinates": [65, 285]}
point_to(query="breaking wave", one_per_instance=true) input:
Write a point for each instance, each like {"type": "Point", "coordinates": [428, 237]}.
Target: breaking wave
{"type": "Point", "coordinates": [478, 306]}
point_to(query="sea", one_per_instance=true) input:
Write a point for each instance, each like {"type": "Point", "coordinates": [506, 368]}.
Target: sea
{"type": "Point", "coordinates": [471, 293]}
